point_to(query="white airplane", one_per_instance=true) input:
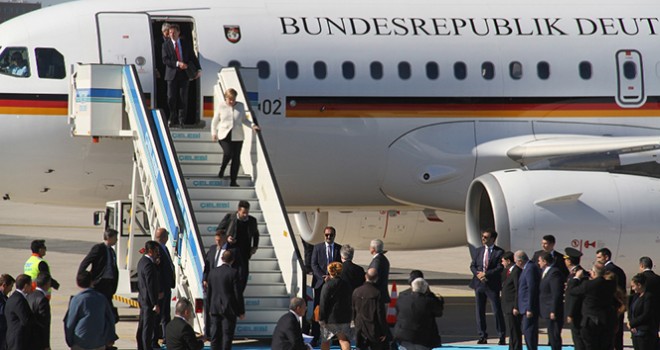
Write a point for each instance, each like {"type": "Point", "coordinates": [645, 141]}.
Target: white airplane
{"type": "Point", "coordinates": [420, 122]}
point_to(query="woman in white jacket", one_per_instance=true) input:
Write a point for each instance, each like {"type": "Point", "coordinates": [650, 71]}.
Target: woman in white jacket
{"type": "Point", "coordinates": [227, 128]}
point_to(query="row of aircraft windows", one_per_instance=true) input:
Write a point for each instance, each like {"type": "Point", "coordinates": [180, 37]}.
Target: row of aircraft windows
{"type": "Point", "coordinates": [432, 69]}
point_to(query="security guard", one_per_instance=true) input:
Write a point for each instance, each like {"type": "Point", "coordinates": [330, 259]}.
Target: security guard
{"type": "Point", "coordinates": [36, 263]}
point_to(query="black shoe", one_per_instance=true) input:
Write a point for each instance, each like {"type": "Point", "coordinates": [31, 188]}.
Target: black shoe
{"type": "Point", "coordinates": [482, 340]}
{"type": "Point", "coordinates": [233, 184]}
{"type": "Point", "coordinates": [502, 341]}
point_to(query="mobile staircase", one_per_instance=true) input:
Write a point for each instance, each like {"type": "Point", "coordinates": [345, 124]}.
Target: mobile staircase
{"type": "Point", "coordinates": [175, 183]}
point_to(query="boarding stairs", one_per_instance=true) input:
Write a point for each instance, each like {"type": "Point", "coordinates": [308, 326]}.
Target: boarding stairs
{"type": "Point", "coordinates": [176, 179]}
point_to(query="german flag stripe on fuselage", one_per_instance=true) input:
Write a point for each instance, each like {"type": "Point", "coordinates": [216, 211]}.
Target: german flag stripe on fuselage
{"type": "Point", "coordinates": [457, 107]}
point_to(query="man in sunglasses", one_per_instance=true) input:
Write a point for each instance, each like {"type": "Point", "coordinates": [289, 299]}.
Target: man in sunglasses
{"type": "Point", "coordinates": [323, 254]}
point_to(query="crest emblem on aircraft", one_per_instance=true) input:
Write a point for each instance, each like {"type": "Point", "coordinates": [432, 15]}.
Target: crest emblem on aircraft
{"type": "Point", "coordinates": [233, 34]}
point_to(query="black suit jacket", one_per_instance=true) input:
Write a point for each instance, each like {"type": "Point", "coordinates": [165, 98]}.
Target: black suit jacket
{"type": "Point", "coordinates": [641, 315]}
{"type": "Point", "coordinates": [494, 271]}
{"type": "Point", "coordinates": [40, 307]}
{"type": "Point", "coordinates": [165, 269]}
{"type": "Point", "coordinates": [19, 322]}
{"type": "Point", "coordinates": [98, 258]}
{"type": "Point", "coordinates": [245, 239]}
{"type": "Point", "coordinates": [620, 275]}
{"type": "Point", "coordinates": [573, 304]}
{"type": "Point", "coordinates": [181, 336]}
{"type": "Point", "coordinates": [415, 319]}
{"type": "Point", "coordinates": [551, 293]}
{"type": "Point", "coordinates": [224, 296]}
{"type": "Point", "coordinates": [382, 265]}
{"type": "Point", "coordinates": [3, 321]}
{"type": "Point", "coordinates": [287, 334]}
{"type": "Point", "coordinates": [320, 262]}
{"type": "Point", "coordinates": [210, 263]}
{"type": "Point", "coordinates": [352, 273]}
{"type": "Point", "coordinates": [148, 283]}
{"type": "Point", "coordinates": [169, 59]}
{"type": "Point", "coordinates": [368, 313]}
{"type": "Point", "coordinates": [510, 289]}
{"type": "Point", "coordinates": [558, 261]}
{"type": "Point", "coordinates": [598, 303]}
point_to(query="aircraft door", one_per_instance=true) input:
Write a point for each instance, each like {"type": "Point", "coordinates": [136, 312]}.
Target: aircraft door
{"type": "Point", "coordinates": [630, 79]}
{"type": "Point", "coordinates": [125, 38]}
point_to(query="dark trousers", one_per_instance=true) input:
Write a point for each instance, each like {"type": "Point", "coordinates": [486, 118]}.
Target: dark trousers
{"type": "Point", "coordinates": [618, 337]}
{"type": "Point", "coordinates": [481, 294]}
{"type": "Point", "coordinates": [554, 332]}
{"type": "Point", "coordinates": [177, 98]}
{"type": "Point", "coordinates": [244, 270]}
{"type": "Point", "coordinates": [146, 328]}
{"type": "Point", "coordinates": [530, 329]}
{"type": "Point", "coordinates": [513, 324]}
{"type": "Point", "coordinates": [648, 341]}
{"type": "Point", "coordinates": [106, 287]}
{"type": "Point", "coordinates": [364, 344]}
{"type": "Point", "coordinates": [578, 342]}
{"type": "Point", "coordinates": [222, 332]}
{"type": "Point", "coordinates": [164, 317]}
{"type": "Point", "coordinates": [231, 150]}
{"type": "Point", "coordinates": [596, 336]}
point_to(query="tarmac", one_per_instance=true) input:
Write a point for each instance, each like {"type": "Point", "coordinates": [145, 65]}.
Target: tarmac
{"type": "Point", "coordinates": [69, 234]}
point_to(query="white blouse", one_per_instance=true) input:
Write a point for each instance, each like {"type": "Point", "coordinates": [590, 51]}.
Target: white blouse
{"type": "Point", "coordinates": [228, 118]}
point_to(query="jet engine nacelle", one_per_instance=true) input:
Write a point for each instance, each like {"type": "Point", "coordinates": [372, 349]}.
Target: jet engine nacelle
{"type": "Point", "coordinates": [584, 210]}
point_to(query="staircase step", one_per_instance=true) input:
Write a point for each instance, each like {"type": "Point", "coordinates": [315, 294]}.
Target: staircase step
{"type": "Point", "coordinates": [205, 169]}
{"type": "Point", "coordinates": [255, 303]}
{"type": "Point", "coordinates": [191, 136]}
{"type": "Point", "coordinates": [264, 265]}
{"type": "Point", "coordinates": [228, 205]}
{"type": "Point", "coordinates": [216, 182]}
{"type": "Point", "coordinates": [264, 277]}
{"type": "Point", "coordinates": [203, 147]}
{"type": "Point", "coordinates": [255, 330]}
{"type": "Point", "coordinates": [226, 194]}
{"type": "Point", "coordinates": [207, 216]}
{"type": "Point", "coordinates": [264, 315]}
{"type": "Point", "coordinates": [260, 289]}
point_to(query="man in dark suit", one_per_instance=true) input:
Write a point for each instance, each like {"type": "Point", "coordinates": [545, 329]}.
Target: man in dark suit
{"type": "Point", "coordinates": [528, 299]}
{"type": "Point", "coordinates": [103, 259]}
{"type": "Point", "coordinates": [161, 85]}
{"type": "Point", "coordinates": [242, 234]}
{"type": "Point", "coordinates": [6, 285]}
{"type": "Point", "coordinates": [380, 262]}
{"type": "Point", "coordinates": [487, 269]}
{"type": "Point", "coordinates": [148, 295]}
{"type": "Point", "coordinates": [415, 314]}
{"type": "Point", "coordinates": [604, 256]}
{"type": "Point", "coordinates": [40, 306]}
{"type": "Point", "coordinates": [598, 314]}
{"type": "Point", "coordinates": [370, 326]}
{"type": "Point", "coordinates": [179, 334]}
{"type": "Point", "coordinates": [351, 273]}
{"type": "Point", "coordinates": [652, 284]}
{"type": "Point", "coordinates": [178, 57]}
{"type": "Point", "coordinates": [226, 302]}
{"type": "Point", "coordinates": [19, 315]}
{"type": "Point", "coordinates": [548, 246]}
{"type": "Point", "coordinates": [166, 277]}
{"type": "Point", "coordinates": [574, 303]}
{"type": "Point", "coordinates": [510, 276]}
{"type": "Point", "coordinates": [322, 255]}
{"type": "Point", "coordinates": [288, 334]}
{"type": "Point", "coordinates": [641, 318]}
{"type": "Point", "coordinates": [551, 297]}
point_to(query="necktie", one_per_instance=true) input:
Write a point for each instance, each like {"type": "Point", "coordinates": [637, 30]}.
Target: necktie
{"type": "Point", "coordinates": [329, 254]}
{"type": "Point", "coordinates": [486, 258]}
{"type": "Point", "coordinates": [217, 257]}
{"type": "Point", "coordinates": [178, 54]}
{"type": "Point", "coordinates": [508, 273]}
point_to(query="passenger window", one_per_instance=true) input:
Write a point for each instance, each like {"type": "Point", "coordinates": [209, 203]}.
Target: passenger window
{"type": "Point", "coordinates": [630, 70]}
{"type": "Point", "coordinates": [264, 69]}
{"type": "Point", "coordinates": [585, 70]}
{"type": "Point", "coordinates": [291, 69]}
{"type": "Point", "coordinates": [404, 70]}
{"type": "Point", "coordinates": [376, 70]}
{"type": "Point", "coordinates": [320, 70]}
{"type": "Point", "coordinates": [460, 70]}
{"type": "Point", "coordinates": [432, 70]}
{"type": "Point", "coordinates": [488, 70]}
{"type": "Point", "coordinates": [543, 70]}
{"type": "Point", "coordinates": [14, 61]}
{"type": "Point", "coordinates": [515, 70]}
{"type": "Point", "coordinates": [234, 63]}
{"type": "Point", "coordinates": [348, 70]}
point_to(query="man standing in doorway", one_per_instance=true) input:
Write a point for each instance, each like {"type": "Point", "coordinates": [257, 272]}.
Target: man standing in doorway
{"type": "Point", "coordinates": [487, 269]}
{"type": "Point", "coordinates": [178, 57]}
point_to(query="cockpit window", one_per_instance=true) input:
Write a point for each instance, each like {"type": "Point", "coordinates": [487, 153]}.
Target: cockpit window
{"type": "Point", "coordinates": [50, 63]}
{"type": "Point", "coordinates": [14, 61]}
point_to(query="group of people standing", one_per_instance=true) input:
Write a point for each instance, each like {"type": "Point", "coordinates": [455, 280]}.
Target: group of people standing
{"type": "Point", "coordinates": [556, 288]}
